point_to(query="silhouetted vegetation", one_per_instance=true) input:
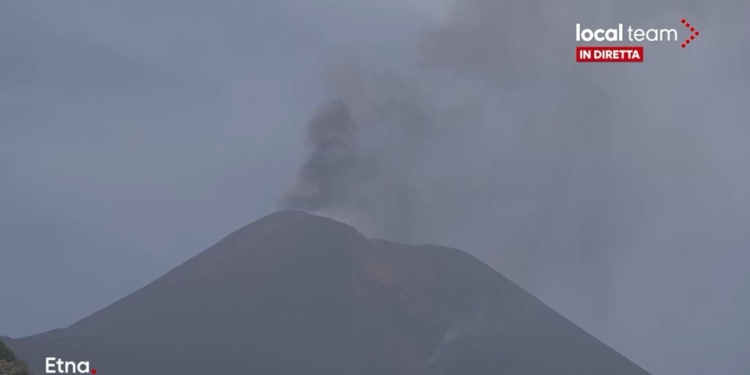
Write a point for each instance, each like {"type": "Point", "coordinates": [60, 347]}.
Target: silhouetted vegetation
{"type": "Point", "coordinates": [9, 363]}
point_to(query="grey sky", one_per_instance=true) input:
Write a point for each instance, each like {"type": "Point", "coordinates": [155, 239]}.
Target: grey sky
{"type": "Point", "coordinates": [135, 134]}
{"type": "Point", "coordinates": [147, 132]}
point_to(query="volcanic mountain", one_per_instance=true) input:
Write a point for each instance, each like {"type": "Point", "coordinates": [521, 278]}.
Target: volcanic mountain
{"type": "Point", "coordinates": [298, 294]}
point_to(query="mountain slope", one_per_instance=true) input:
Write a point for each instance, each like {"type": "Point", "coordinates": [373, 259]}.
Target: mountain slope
{"type": "Point", "coordinates": [294, 293]}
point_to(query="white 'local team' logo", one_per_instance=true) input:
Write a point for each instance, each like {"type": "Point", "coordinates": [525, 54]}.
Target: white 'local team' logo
{"type": "Point", "coordinates": [625, 53]}
{"type": "Point", "coordinates": [618, 34]}
{"type": "Point", "coordinates": [58, 366]}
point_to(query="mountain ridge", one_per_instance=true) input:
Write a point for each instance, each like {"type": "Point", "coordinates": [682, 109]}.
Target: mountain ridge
{"type": "Point", "coordinates": [297, 293]}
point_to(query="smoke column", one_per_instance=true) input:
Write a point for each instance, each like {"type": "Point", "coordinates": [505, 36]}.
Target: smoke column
{"type": "Point", "coordinates": [324, 180]}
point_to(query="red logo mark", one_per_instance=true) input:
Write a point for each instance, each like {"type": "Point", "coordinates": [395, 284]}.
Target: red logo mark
{"type": "Point", "coordinates": [693, 34]}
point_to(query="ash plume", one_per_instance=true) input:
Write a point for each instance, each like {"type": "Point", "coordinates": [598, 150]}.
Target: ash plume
{"type": "Point", "coordinates": [343, 180]}
{"type": "Point", "coordinates": [335, 163]}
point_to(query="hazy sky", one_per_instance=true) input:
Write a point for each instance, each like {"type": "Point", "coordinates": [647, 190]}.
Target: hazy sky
{"type": "Point", "coordinates": [135, 134]}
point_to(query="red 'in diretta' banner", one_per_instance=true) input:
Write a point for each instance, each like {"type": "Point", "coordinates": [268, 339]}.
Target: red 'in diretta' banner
{"type": "Point", "coordinates": [609, 54]}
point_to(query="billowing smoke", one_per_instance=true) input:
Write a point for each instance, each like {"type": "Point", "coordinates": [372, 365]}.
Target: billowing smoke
{"type": "Point", "coordinates": [616, 193]}
{"type": "Point", "coordinates": [346, 181]}
{"type": "Point", "coordinates": [335, 163]}
{"type": "Point", "coordinates": [362, 171]}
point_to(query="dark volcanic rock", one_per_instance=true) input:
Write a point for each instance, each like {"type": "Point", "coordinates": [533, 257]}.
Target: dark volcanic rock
{"type": "Point", "coordinates": [294, 293]}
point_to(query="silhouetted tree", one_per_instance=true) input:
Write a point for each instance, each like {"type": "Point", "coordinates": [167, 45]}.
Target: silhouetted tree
{"type": "Point", "coordinates": [9, 363]}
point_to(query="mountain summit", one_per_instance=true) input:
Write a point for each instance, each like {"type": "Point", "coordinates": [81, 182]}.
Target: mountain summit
{"type": "Point", "coordinates": [294, 293]}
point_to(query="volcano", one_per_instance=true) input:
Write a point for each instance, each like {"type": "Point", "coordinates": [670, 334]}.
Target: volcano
{"type": "Point", "coordinates": [298, 294]}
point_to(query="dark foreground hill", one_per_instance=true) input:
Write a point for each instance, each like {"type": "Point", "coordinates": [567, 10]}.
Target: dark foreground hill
{"type": "Point", "coordinates": [297, 294]}
{"type": "Point", "coordinates": [9, 363]}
